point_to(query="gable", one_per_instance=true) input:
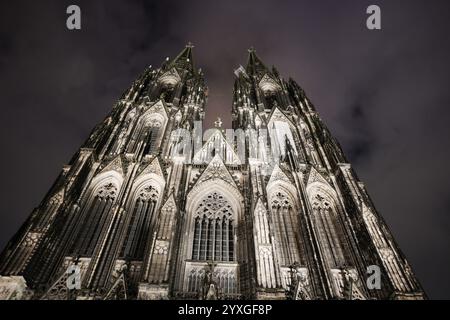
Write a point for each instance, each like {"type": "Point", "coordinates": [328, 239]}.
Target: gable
{"type": "Point", "coordinates": [217, 140]}
{"type": "Point", "coordinates": [216, 169]}
{"type": "Point", "coordinates": [153, 167]}
{"type": "Point", "coordinates": [116, 164]}
{"type": "Point", "coordinates": [268, 84]}
{"type": "Point", "coordinates": [170, 204]}
{"type": "Point", "coordinates": [158, 107]}
{"type": "Point", "coordinates": [278, 175]}
{"type": "Point", "coordinates": [315, 177]}
{"type": "Point", "coordinates": [278, 115]}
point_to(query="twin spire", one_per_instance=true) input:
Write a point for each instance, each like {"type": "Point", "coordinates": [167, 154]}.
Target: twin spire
{"type": "Point", "coordinates": [184, 60]}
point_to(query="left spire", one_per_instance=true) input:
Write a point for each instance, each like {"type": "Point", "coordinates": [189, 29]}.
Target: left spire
{"type": "Point", "coordinates": [184, 59]}
{"type": "Point", "coordinates": [254, 63]}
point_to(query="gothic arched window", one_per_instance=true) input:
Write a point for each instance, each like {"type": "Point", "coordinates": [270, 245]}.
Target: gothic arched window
{"type": "Point", "coordinates": [329, 230]}
{"type": "Point", "coordinates": [140, 223]}
{"type": "Point", "coordinates": [213, 229]}
{"type": "Point", "coordinates": [285, 225]}
{"type": "Point", "coordinates": [96, 218]}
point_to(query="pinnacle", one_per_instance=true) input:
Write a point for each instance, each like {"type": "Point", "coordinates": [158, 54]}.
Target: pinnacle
{"type": "Point", "coordinates": [218, 123]}
{"type": "Point", "coordinates": [184, 59]}
{"type": "Point", "coordinates": [254, 64]}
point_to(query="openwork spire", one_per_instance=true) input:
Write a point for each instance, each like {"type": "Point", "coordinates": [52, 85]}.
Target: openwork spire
{"type": "Point", "coordinates": [184, 60]}
{"type": "Point", "coordinates": [254, 63]}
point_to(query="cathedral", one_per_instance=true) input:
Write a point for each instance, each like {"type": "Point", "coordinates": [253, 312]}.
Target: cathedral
{"type": "Point", "coordinates": [153, 207]}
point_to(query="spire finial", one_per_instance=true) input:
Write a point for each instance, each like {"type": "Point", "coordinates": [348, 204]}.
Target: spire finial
{"type": "Point", "coordinates": [252, 50]}
{"type": "Point", "coordinates": [218, 123]}
{"type": "Point", "coordinates": [190, 45]}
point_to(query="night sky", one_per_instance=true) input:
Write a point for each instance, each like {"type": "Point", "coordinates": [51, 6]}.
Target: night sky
{"type": "Point", "coordinates": [384, 94]}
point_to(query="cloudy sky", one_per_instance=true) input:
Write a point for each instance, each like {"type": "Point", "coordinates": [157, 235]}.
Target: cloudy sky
{"type": "Point", "coordinates": [384, 94]}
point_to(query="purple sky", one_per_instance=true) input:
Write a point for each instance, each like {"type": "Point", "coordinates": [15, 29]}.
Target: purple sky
{"type": "Point", "coordinates": [384, 94]}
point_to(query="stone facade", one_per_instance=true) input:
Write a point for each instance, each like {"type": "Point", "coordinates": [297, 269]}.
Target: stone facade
{"type": "Point", "coordinates": [150, 208]}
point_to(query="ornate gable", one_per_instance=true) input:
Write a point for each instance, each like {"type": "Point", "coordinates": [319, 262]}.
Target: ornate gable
{"type": "Point", "coordinates": [267, 83]}
{"type": "Point", "coordinates": [170, 204]}
{"type": "Point", "coordinates": [259, 207]}
{"type": "Point", "coordinates": [216, 170]}
{"type": "Point", "coordinates": [153, 167]}
{"type": "Point", "coordinates": [315, 176]}
{"type": "Point", "coordinates": [217, 136]}
{"type": "Point", "coordinates": [158, 107]}
{"type": "Point", "coordinates": [356, 293]}
{"type": "Point", "coordinates": [278, 115]}
{"type": "Point", "coordinates": [58, 290]}
{"type": "Point", "coordinates": [258, 120]}
{"type": "Point", "coordinates": [116, 164]}
{"type": "Point", "coordinates": [119, 290]}
{"type": "Point", "coordinates": [278, 175]}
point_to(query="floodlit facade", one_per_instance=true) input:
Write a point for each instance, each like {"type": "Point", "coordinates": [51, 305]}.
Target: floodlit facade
{"type": "Point", "coordinates": [153, 207]}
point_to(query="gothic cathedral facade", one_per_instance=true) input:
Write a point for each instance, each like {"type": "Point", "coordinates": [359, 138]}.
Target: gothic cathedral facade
{"type": "Point", "coordinates": [152, 208]}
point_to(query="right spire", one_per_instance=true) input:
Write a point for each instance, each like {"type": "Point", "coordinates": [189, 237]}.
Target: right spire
{"type": "Point", "coordinates": [337, 237]}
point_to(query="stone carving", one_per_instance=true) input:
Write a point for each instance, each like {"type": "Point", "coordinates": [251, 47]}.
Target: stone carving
{"type": "Point", "coordinates": [216, 170]}
{"type": "Point", "coordinates": [108, 191]}
{"type": "Point", "coordinates": [149, 193]}
{"type": "Point", "coordinates": [153, 167]}
{"type": "Point", "coordinates": [185, 222]}
{"type": "Point", "coordinates": [161, 247]}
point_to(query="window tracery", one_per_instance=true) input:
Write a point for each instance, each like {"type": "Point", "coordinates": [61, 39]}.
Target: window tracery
{"type": "Point", "coordinates": [328, 228]}
{"type": "Point", "coordinates": [96, 218]}
{"type": "Point", "coordinates": [285, 223]}
{"type": "Point", "coordinates": [140, 223]}
{"type": "Point", "coordinates": [213, 229]}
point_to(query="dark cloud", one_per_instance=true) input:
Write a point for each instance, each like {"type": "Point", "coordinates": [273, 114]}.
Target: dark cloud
{"type": "Point", "coordinates": [383, 93]}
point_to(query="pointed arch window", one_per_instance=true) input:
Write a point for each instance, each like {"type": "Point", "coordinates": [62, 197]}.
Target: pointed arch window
{"type": "Point", "coordinates": [213, 230]}
{"type": "Point", "coordinates": [285, 224]}
{"type": "Point", "coordinates": [96, 219]}
{"type": "Point", "coordinates": [140, 223]}
{"type": "Point", "coordinates": [329, 230]}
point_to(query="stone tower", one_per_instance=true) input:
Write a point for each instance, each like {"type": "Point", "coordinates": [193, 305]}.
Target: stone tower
{"type": "Point", "coordinates": [152, 207]}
